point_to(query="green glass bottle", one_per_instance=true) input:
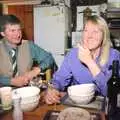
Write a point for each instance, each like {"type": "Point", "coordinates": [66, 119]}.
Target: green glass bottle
{"type": "Point", "coordinates": [114, 93]}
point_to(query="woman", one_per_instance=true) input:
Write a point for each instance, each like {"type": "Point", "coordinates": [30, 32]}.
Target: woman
{"type": "Point", "coordinates": [88, 63]}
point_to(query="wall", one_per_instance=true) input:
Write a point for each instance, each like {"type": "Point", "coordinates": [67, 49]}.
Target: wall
{"type": "Point", "coordinates": [24, 11]}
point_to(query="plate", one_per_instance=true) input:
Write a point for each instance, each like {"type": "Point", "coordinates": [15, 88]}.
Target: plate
{"type": "Point", "coordinates": [2, 112]}
{"type": "Point", "coordinates": [98, 103]}
{"type": "Point", "coordinates": [53, 115]}
{"type": "Point", "coordinates": [74, 113]}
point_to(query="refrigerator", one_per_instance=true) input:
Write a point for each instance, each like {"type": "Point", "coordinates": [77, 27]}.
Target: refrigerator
{"type": "Point", "coordinates": [51, 29]}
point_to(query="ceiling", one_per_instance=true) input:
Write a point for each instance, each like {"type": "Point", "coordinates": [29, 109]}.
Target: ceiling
{"type": "Point", "coordinates": [87, 2]}
{"type": "Point", "coordinates": [73, 2]}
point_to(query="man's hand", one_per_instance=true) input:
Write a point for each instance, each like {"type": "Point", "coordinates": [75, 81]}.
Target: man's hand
{"type": "Point", "coordinates": [19, 81]}
{"type": "Point", "coordinates": [33, 73]}
{"type": "Point", "coordinates": [24, 79]}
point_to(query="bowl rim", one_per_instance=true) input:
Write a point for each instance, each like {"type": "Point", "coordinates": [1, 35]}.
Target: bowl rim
{"type": "Point", "coordinates": [83, 85]}
{"type": "Point", "coordinates": [23, 95]}
{"type": "Point", "coordinates": [72, 90]}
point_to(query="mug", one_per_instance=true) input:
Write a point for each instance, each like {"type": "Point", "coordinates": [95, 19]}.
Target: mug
{"type": "Point", "coordinates": [6, 97]}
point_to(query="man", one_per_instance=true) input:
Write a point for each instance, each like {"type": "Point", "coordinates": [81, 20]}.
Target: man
{"type": "Point", "coordinates": [19, 71]}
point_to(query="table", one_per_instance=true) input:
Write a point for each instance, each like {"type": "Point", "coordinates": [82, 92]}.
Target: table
{"type": "Point", "coordinates": [39, 112]}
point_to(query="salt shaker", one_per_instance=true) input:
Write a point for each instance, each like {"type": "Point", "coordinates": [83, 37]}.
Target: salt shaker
{"type": "Point", "coordinates": [17, 111]}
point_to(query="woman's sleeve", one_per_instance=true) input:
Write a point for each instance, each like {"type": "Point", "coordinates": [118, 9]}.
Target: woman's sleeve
{"type": "Point", "coordinates": [101, 81]}
{"type": "Point", "coordinates": [62, 78]}
{"type": "Point", "coordinates": [102, 78]}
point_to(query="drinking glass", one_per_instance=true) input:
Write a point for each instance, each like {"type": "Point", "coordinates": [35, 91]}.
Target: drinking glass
{"type": "Point", "coordinates": [6, 97]}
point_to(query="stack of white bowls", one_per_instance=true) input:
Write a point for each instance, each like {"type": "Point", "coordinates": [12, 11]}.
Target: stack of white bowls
{"type": "Point", "coordinates": [30, 97]}
{"type": "Point", "coordinates": [81, 94]}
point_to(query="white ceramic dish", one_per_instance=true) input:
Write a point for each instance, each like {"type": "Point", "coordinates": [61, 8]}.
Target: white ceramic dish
{"type": "Point", "coordinates": [29, 95]}
{"type": "Point", "coordinates": [81, 94]}
{"type": "Point", "coordinates": [82, 89]}
{"type": "Point", "coordinates": [82, 99]}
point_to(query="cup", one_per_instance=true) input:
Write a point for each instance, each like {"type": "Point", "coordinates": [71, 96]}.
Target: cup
{"type": "Point", "coordinates": [6, 97]}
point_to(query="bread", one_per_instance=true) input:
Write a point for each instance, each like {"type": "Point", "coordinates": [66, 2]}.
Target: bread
{"type": "Point", "coordinates": [73, 113]}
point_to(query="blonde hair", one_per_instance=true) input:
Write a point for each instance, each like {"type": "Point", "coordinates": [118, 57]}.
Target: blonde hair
{"type": "Point", "coordinates": [106, 43]}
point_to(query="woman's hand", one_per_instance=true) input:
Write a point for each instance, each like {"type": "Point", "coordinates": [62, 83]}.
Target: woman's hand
{"type": "Point", "coordinates": [84, 55]}
{"type": "Point", "coordinates": [52, 96]}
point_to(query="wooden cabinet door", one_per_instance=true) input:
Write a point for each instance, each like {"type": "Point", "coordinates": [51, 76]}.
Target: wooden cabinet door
{"type": "Point", "coordinates": [25, 14]}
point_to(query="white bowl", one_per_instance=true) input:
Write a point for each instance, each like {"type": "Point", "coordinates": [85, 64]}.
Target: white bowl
{"type": "Point", "coordinates": [28, 91]}
{"type": "Point", "coordinates": [29, 95]}
{"type": "Point", "coordinates": [30, 99]}
{"type": "Point", "coordinates": [82, 89]}
{"type": "Point", "coordinates": [81, 94]}
{"type": "Point", "coordinates": [29, 106]}
{"type": "Point", "coordinates": [85, 99]}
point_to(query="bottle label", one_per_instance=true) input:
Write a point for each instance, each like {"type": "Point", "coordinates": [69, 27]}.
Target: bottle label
{"type": "Point", "coordinates": [118, 100]}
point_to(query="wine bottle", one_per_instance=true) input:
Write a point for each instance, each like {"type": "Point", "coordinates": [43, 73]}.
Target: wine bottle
{"type": "Point", "coordinates": [114, 93]}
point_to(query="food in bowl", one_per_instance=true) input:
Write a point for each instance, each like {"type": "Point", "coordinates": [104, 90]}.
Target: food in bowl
{"type": "Point", "coordinates": [73, 113]}
{"type": "Point", "coordinates": [29, 95]}
{"type": "Point", "coordinates": [81, 94]}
